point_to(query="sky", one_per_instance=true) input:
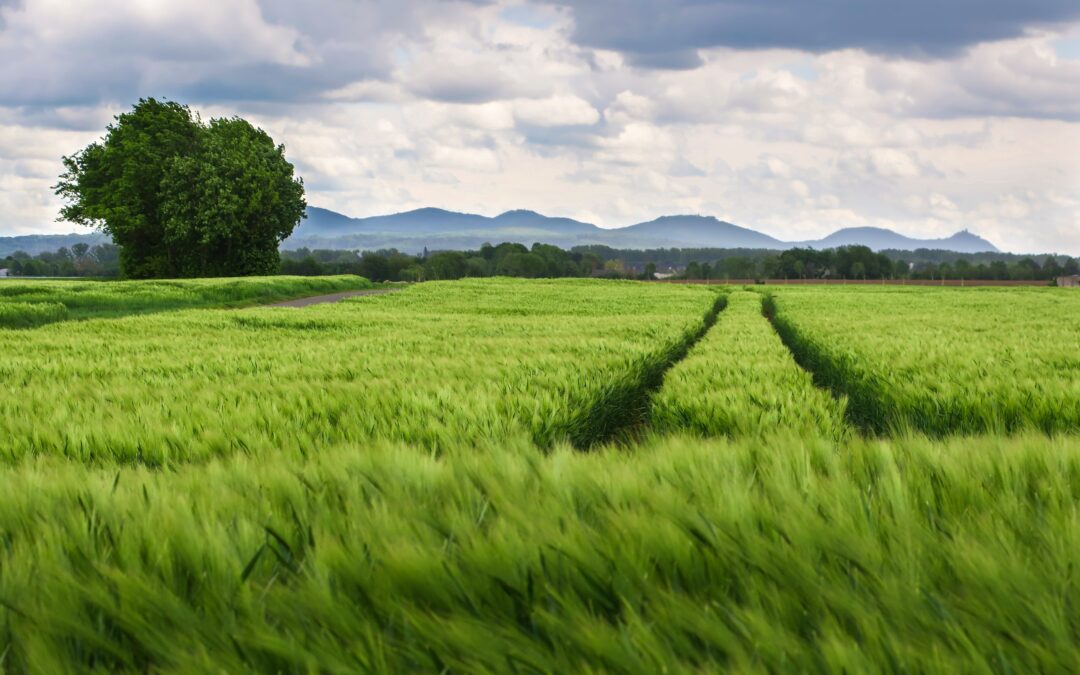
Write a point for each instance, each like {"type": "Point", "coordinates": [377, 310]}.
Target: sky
{"type": "Point", "coordinates": [794, 118]}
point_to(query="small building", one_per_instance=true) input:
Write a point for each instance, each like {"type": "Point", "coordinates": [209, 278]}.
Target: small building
{"type": "Point", "coordinates": [3, 273]}
{"type": "Point", "coordinates": [1071, 281]}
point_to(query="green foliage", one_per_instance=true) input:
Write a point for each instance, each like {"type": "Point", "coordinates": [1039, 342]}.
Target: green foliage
{"type": "Point", "coordinates": [941, 361]}
{"type": "Point", "coordinates": [116, 183]}
{"type": "Point", "coordinates": [79, 261]}
{"type": "Point", "coordinates": [509, 260]}
{"type": "Point", "coordinates": [47, 301]}
{"type": "Point", "coordinates": [526, 265]}
{"type": "Point", "coordinates": [227, 208]}
{"type": "Point", "coordinates": [838, 263]}
{"type": "Point", "coordinates": [740, 380]}
{"type": "Point", "coordinates": [182, 198]}
{"type": "Point", "coordinates": [448, 265]}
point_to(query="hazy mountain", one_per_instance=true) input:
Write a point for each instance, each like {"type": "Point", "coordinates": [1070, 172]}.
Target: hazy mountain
{"type": "Point", "coordinates": [879, 239]}
{"type": "Point", "coordinates": [531, 220]}
{"type": "Point", "coordinates": [436, 229]}
{"type": "Point", "coordinates": [47, 243]}
{"type": "Point", "coordinates": [326, 223]}
{"type": "Point", "coordinates": [701, 232]}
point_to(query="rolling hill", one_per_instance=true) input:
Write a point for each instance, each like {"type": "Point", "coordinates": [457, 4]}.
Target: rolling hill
{"type": "Point", "coordinates": [880, 239]}
{"type": "Point", "coordinates": [438, 229]}
{"type": "Point", "coordinates": [699, 232]}
{"type": "Point", "coordinates": [435, 229]}
{"type": "Point", "coordinates": [47, 243]}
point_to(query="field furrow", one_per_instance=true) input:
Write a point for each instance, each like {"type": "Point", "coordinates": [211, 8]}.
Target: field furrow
{"type": "Point", "coordinates": [741, 380]}
{"type": "Point", "coordinates": [941, 361]}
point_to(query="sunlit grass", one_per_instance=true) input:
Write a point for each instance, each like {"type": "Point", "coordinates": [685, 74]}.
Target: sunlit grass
{"type": "Point", "coordinates": [31, 314]}
{"type": "Point", "coordinates": [434, 365]}
{"type": "Point", "coordinates": [741, 380]}
{"type": "Point", "coordinates": [26, 303]}
{"type": "Point", "coordinates": [942, 360]}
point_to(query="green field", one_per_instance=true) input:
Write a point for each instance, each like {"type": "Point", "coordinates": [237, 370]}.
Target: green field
{"type": "Point", "coordinates": [545, 476]}
{"type": "Point", "coordinates": [942, 361]}
{"type": "Point", "coordinates": [741, 381]}
{"type": "Point", "coordinates": [29, 303]}
{"type": "Point", "coordinates": [437, 365]}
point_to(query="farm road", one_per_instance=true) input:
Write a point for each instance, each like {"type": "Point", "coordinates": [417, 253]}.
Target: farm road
{"type": "Point", "coordinates": [333, 297]}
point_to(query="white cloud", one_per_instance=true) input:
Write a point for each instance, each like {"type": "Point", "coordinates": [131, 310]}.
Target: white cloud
{"type": "Point", "coordinates": [1008, 206]}
{"type": "Point", "coordinates": [800, 188]}
{"type": "Point", "coordinates": [1022, 77]}
{"type": "Point", "coordinates": [555, 111]}
{"type": "Point", "coordinates": [629, 107]}
{"type": "Point", "coordinates": [472, 159]}
{"type": "Point", "coordinates": [893, 163]}
{"type": "Point", "coordinates": [778, 167]}
{"type": "Point", "coordinates": [638, 144]}
{"type": "Point", "coordinates": [53, 52]}
{"type": "Point", "coordinates": [390, 106]}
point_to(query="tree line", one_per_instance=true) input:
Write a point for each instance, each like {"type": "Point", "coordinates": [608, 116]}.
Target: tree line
{"type": "Point", "coordinates": [544, 260]}
{"type": "Point", "coordinates": [81, 260]}
{"type": "Point", "coordinates": [547, 261]}
{"type": "Point", "coordinates": [848, 262]}
{"type": "Point", "coordinates": [506, 259]}
{"type": "Point", "coordinates": [1025, 269]}
{"type": "Point", "coordinates": [859, 262]}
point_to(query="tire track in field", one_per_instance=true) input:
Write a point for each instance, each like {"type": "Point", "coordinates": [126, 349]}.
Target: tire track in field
{"type": "Point", "coordinates": [331, 297]}
{"type": "Point", "coordinates": [623, 415]}
{"type": "Point", "coordinates": [864, 410]}
{"type": "Point", "coordinates": [742, 381]}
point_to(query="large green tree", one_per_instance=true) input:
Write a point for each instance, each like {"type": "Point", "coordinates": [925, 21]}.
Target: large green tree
{"type": "Point", "coordinates": [182, 198]}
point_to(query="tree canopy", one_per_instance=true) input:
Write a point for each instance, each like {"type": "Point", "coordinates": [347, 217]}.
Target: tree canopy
{"type": "Point", "coordinates": [183, 198]}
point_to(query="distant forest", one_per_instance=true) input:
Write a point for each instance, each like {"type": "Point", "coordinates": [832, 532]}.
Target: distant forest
{"type": "Point", "coordinates": [80, 260]}
{"type": "Point", "coordinates": [544, 260]}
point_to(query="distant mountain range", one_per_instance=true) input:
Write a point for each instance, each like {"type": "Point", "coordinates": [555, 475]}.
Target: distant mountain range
{"type": "Point", "coordinates": [47, 243]}
{"type": "Point", "coordinates": [436, 229]}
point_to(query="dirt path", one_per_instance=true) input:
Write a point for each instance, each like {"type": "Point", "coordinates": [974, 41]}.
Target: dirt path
{"type": "Point", "coordinates": [333, 297]}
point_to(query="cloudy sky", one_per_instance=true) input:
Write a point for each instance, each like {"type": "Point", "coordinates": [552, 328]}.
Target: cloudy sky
{"type": "Point", "coordinates": [792, 117]}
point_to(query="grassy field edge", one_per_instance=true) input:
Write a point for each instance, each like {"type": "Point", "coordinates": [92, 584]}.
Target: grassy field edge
{"type": "Point", "coordinates": [51, 303]}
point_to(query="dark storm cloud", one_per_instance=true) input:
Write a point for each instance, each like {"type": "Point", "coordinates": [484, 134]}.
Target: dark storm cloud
{"type": "Point", "coordinates": [116, 82]}
{"type": "Point", "coordinates": [459, 87]}
{"type": "Point", "coordinates": [284, 52]}
{"type": "Point", "coordinates": [268, 82]}
{"type": "Point", "coordinates": [666, 33]}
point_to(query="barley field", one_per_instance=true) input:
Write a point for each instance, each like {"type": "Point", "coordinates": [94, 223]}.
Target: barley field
{"type": "Point", "coordinates": [942, 361]}
{"type": "Point", "coordinates": [543, 477]}
{"type": "Point", "coordinates": [741, 380]}
{"type": "Point", "coordinates": [27, 303]}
